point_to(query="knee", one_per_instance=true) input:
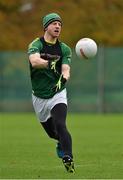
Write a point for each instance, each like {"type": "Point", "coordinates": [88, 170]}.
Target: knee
{"type": "Point", "coordinates": [53, 135]}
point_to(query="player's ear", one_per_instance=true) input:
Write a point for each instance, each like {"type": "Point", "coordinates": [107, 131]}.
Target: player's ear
{"type": "Point", "coordinates": [45, 29]}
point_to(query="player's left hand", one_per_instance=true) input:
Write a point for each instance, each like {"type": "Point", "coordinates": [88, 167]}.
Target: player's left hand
{"type": "Point", "coordinates": [61, 81]}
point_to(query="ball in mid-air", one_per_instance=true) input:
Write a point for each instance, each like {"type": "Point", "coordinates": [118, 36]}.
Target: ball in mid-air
{"type": "Point", "coordinates": [86, 48]}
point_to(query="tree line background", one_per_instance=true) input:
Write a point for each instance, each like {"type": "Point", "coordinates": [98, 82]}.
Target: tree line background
{"type": "Point", "coordinates": [21, 21]}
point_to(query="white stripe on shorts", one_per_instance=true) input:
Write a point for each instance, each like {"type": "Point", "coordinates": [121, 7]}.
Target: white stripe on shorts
{"type": "Point", "coordinates": [43, 107]}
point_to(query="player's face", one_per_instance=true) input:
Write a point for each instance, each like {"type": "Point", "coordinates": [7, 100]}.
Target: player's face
{"type": "Point", "coordinates": [54, 29]}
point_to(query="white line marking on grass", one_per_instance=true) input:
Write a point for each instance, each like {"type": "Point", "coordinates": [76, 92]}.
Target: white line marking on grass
{"type": "Point", "coordinates": [76, 165]}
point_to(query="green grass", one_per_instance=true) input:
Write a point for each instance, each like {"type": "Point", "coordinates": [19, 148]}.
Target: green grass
{"type": "Point", "coordinates": [26, 152]}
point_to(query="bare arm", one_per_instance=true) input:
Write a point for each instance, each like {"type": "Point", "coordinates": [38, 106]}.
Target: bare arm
{"type": "Point", "coordinates": [66, 71]}
{"type": "Point", "coordinates": [37, 62]}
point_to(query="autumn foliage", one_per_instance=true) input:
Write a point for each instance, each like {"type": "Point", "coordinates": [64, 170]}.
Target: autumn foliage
{"type": "Point", "coordinates": [21, 21]}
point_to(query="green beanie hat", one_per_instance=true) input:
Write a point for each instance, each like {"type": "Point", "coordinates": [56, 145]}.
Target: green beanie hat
{"type": "Point", "coordinates": [49, 18]}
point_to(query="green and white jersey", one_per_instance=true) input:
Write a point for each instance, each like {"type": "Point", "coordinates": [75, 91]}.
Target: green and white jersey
{"type": "Point", "coordinates": [44, 80]}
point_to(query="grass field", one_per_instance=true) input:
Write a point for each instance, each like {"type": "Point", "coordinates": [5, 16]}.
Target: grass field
{"type": "Point", "coordinates": [27, 153]}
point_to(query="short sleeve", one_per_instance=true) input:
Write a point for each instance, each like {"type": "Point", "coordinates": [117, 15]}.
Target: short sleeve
{"type": "Point", "coordinates": [67, 54]}
{"type": "Point", "coordinates": [34, 47]}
